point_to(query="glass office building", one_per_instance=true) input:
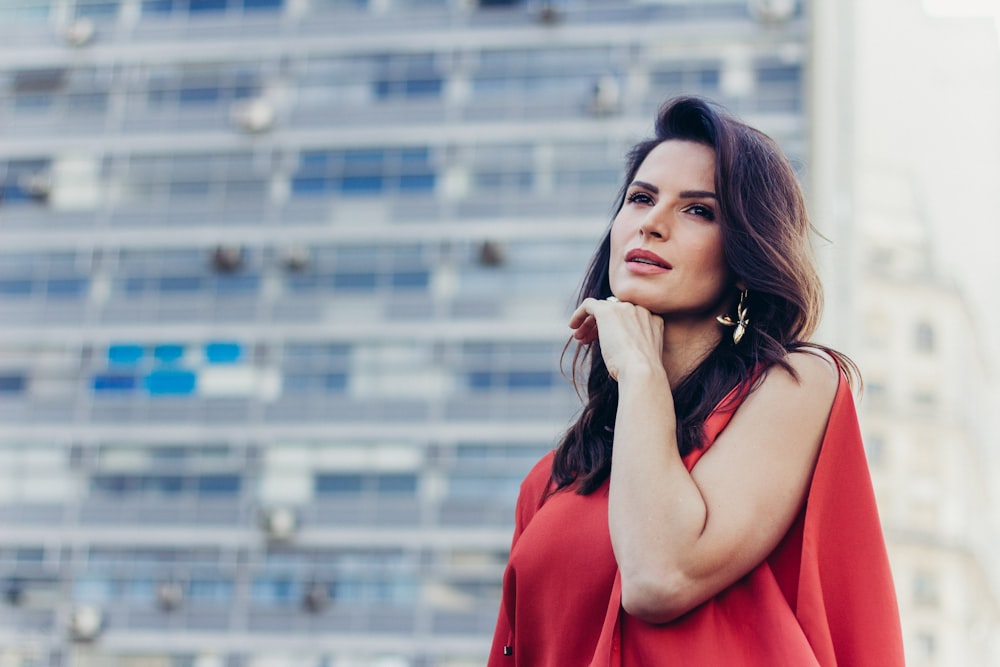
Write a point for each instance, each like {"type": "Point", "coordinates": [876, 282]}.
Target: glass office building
{"type": "Point", "coordinates": [284, 288]}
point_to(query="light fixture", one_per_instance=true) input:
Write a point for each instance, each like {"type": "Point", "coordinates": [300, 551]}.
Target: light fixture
{"type": "Point", "coordinates": [227, 258]}
{"type": "Point", "coordinates": [80, 32]}
{"type": "Point", "coordinates": [492, 253]}
{"type": "Point", "coordinates": [86, 622]}
{"type": "Point", "coordinates": [253, 116]}
{"type": "Point", "coordinates": [169, 595]}
{"type": "Point", "coordinates": [316, 597]}
{"type": "Point", "coordinates": [295, 258]}
{"type": "Point", "coordinates": [279, 523]}
{"type": "Point", "coordinates": [771, 10]}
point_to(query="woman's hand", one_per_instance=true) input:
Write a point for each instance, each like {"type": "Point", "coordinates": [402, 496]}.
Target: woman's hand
{"type": "Point", "coordinates": [629, 334]}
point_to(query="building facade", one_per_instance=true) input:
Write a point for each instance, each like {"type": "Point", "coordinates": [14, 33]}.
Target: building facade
{"type": "Point", "coordinates": [284, 286]}
{"type": "Point", "coordinates": [925, 413]}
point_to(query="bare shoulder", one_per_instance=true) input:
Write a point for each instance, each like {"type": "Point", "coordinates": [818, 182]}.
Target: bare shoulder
{"type": "Point", "coordinates": [815, 373]}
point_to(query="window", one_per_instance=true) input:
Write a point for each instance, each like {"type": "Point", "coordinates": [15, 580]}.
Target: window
{"type": "Point", "coordinates": [363, 172]}
{"type": "Point", "coordinates": [924, 337]}
{"type": "Point", "coordinates": [926, 588]}
{"type": "Point", "coordinates": [875, 449]}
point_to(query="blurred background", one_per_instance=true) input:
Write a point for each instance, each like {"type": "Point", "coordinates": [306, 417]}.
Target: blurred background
{"type": "Point", "coordinates": [284, 288]}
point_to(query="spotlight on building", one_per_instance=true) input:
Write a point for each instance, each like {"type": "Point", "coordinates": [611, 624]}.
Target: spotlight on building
{"type": "Point", "coordinates": [253, 116]}
{"type": "Point", "coordinates": [549, 14]}
{"type": "Point", "coordinates": [279, 524]}
{"type": "Point", "coordinates": [80, 32]}
{"type": "Point", "coordinates": [492, 253]}
{"type": "Point", "coordinates": [295, 259]}
{"type": "Point", "coordinates": [86, 622]}
{"type": "Point", "coordinates": [169, 595]}
{"type": "Point", "coordinates": [771, 11]}
{"type": "Point", "coordinates": [316, 598]}
{"type": "Point", "coordinates": [227, 258]}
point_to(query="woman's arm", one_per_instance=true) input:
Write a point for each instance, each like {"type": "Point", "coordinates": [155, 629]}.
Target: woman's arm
{"type": "Point", "coordinates": [679, 537]}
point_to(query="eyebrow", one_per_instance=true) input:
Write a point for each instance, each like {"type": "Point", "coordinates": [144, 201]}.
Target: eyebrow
{"type": "Point", "coordinates": [685, 194]}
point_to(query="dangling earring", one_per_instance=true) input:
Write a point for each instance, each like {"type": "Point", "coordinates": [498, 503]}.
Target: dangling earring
{"type": "Point", "coordinates": [742, 319]}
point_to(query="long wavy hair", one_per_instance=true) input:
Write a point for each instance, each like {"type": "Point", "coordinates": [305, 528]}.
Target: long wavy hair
{"type": "Point", "coordinates": [766, 244]}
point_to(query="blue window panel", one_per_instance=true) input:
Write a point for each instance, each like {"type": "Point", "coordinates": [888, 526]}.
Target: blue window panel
{"type": "Point", "coordinates": [361, 184]}
{"type": "Point", "coordinates": [335, 382]}
{"type": "Point", "coordinates": [125, 354]}
{"type": "Point", "coordinates": [709, 78]}
{"type": "Point", "coordinates": [529, 380]}
{"type": "Point", "coordinates": [780, 74]}
{"type": "Point", "coordinates": [200, 95]}
{"type": "Point", "coordinates": [114, 382]}
{"type": "Point", "coordinates": [263, 4]}
{"type": "Point", "coordinates": [223, 353]}
{"type": "Point", "coordinates": [219, 484]}
{"type": "Point", "coordinates": [168, 353]}
{"type": "Point", "coordinates": [206, 5]}
{"type": "Point", "coordinates": [158, 6]}
{"type": "Point", "coordinates": [422, 87]}
{"type": "Point", "coordinates": [397, 483]}
{"type": "Point", "coordinates": [354, 281]}
{"type": "Point", "coordinates": [310, 185]}
{"type": "Point", "coordinates": [364, 161]}
{"type": "Point", "coordinates": [108, 8]}
{"type": "Point", "coordinates": [275, 590]}
{"type": "Point", "coordinates": [170, 485]}
{"type": "Point", "coordinates": [383, 89]}
{"type": "Point", "coordinates": [135, 285]}
{"type": "Point", "coordinates": [16, 287]}
{"type": "Point", "coordinates": [480, 380]}
{"type": "Point", "coordinates": [12, 384]}
{"type": "Point", "coordinates": [170, 383]}
{"type": "Point", "coordinates": [419, 157]}
{"type": "Point", "coordinates": [304, 283]}
{"type": "Point", "coordinates": [347, 591]}
{"type": "Point", "coordinates": [116, 485]}
{"type": "Point", "coordinates": [66, 287]}
{"type": "Point", "coordinates": [411, 279]}
{"type": "Point", "coordinates": [92, 589]}
{"type": "Point", "coordinates": [210, 590]}
{"type": "Point", "coordinates": [190, 189]}
{"type": "Point", "coordinates": [337, 483]}
{"type": "Point", "coordinates": [315, 161]}
{"type": "Point", "coordinates": [417, 182]}
{"type": "Point", "coordinates": [245, 283]}
{"type": "Point", "coordinates": [181, 284]}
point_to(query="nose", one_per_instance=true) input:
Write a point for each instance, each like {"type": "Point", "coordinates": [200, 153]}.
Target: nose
{"type": "Point", "coordinates": [655, 224]}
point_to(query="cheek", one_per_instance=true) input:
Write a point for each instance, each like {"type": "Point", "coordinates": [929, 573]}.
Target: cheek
{"type": "Point", "coordinates": [617, 242]}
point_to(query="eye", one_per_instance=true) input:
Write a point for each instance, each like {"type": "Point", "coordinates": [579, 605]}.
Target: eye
{"type": "Point", "coordinates": [639, 197]}
{"type": "Point", "coordinates": [701, 211]}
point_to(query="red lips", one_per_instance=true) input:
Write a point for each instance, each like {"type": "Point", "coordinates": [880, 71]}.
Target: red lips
{"type": "Point", "coordinates": [641, 256]}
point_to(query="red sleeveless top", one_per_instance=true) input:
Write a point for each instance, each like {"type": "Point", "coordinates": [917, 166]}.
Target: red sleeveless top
{"type": "Point", "coordinates": [823, 597]}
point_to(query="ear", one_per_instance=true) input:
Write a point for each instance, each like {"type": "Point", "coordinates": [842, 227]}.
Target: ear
{"type": "Point", "coordinates": [741, 286]}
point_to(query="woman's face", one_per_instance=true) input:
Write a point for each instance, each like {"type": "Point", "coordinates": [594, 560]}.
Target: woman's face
{"type": "Point", "coordinates": [666, 241]}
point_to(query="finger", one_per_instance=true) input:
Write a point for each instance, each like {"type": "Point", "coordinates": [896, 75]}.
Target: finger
{"type": "Point", "coordinates": [586, 332]}
{"type": "Point", "coordinates": [582, 312]}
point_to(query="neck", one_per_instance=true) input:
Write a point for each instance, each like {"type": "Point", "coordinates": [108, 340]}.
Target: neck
{"type": "Point", "coordinates": [685, 346]}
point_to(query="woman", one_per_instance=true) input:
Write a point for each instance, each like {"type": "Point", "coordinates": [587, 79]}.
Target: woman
{"type": "Point", "coordinates": [694, 317]}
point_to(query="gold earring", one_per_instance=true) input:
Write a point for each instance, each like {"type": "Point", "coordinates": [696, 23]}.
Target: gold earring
{"type": "Point", "coordinates": [742, 319]}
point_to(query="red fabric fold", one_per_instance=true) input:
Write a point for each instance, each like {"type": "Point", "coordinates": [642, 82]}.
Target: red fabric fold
{"type": "Point", "coordinates": [824, 597]}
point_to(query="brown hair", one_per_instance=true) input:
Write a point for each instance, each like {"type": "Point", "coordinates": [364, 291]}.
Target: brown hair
{"type": "Point", "coordinates": [765, 236]}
